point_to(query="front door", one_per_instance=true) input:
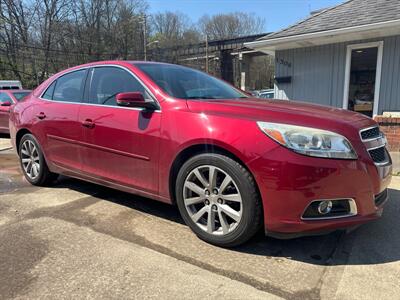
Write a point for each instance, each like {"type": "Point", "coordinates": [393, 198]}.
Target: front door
{"type": "Point", "coordinates": [363, 78]}
{"type": "Point", "coordinates": [122, 143]}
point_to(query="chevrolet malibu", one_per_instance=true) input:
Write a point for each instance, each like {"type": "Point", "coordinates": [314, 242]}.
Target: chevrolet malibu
{"type": "Point", "coordinates": [231, 163]}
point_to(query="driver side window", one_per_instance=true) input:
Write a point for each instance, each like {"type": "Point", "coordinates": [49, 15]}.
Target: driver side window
{"type": "Point", "coordinates": [107, 82]}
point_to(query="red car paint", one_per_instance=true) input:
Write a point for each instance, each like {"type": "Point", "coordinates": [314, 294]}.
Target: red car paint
{"type": "Point", "coordinates": [5, 110]}
{"type": "Point", "coordinates": [134, 151]}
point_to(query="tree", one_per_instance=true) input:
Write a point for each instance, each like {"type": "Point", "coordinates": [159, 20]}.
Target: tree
{"type": "Point", "coordinates": [173, 28]}
{"type": "Point", "coordinates": [41, 37]}
{"type": "Point", "coordinates": [15, 25]}
{"type": "Point", "coordinates": [226, 26]}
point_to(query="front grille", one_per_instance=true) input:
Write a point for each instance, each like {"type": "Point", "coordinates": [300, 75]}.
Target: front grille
{"type": "Point", "coordinates": [378, 155]}
{"type": "Point", "coordinates": [370, 133]}
{"type": "Point", "coordinates": [381, 198]}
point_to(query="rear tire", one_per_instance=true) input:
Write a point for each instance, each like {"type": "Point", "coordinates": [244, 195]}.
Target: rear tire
{"type": "Point", "coordinates": [32, 162]}
{"type": "Point", "coordinates": [218, 199]}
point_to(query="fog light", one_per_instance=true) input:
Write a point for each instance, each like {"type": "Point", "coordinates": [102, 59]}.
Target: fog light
{"type": "Point", "coordinates": [325, 207]}
{"type": "Point", "coordinates": [330, 209]}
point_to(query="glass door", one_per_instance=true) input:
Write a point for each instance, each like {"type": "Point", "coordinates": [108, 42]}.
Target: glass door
{"type": "Point", "coordinates": [362, 80]}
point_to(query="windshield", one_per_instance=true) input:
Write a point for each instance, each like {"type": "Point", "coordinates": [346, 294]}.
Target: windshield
{"type": "Point", "coordinates": [185, 83]}
{"type": "Point", "coordinates": [20, 95]}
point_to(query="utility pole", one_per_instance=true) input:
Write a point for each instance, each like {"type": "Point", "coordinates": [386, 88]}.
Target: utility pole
{"type": "Point", "coordinates": [206, 53]}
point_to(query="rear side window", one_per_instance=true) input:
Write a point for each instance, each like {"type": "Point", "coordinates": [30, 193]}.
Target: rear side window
{"type": "Point", "coordinates": [107, 82]}
{"type": "Point", "coordinates": [4, 98]}
{"type": "Point", "coordinates": [49, 92]}
{"type": "Point", "coordinates": [70, 87]}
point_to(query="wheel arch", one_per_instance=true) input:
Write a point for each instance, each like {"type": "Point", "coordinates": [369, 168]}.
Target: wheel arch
{"type": "Point", "coordinates": [20, 133]}
{"type": "Point", "coordinates": [196, 149]}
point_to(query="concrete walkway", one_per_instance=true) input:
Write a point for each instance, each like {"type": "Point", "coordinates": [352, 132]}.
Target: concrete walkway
{"type": "Point", "coordinates": [4, 143]}
{"type": "Point", "coordinates": [80, 240]}
{"type": "Point", "coordinates": [396, 162]}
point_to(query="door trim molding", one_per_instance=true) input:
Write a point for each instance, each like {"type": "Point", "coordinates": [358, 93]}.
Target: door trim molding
{"type": "Point", "coordinates": [351, 47]}
{"type": "Point", "coordinates": [101, 148]}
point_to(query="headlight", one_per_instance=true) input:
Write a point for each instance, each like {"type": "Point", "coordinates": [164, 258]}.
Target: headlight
{"type": "Point", "coordinates": [309, 141]}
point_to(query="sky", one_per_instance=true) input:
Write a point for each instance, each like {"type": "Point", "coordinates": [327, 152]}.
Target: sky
{"type": "Point", "coordinates": [278, 14]}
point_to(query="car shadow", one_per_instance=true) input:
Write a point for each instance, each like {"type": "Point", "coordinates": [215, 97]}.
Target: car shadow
{"type": "Point", "coordinates": [362, 246]}
{"type": "Point", "coordinates": [4, 136]}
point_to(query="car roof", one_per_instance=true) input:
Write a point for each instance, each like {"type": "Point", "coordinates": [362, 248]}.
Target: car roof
{"type": "Point", "coordinates": [117, 62]}
{"type": "Point", "coordinates": [15, 90]}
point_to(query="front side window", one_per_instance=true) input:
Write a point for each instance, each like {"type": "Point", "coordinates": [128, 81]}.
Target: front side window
{"type": "Point", "coordinates": [107, 82]}
{"type": "Point", "coordinates": [185, 83]}
{"type": "Point", "coordinates": [4, 98]}
{"type": "Point", "coordinates": [70, 87]}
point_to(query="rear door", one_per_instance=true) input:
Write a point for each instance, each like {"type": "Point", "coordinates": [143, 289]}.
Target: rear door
{"type": "Point", "coordinates": [4, 111]}
{"type": "Point", "coordinates": [122, 143]}
{"type": "Point", "coordinates": [57, 120]}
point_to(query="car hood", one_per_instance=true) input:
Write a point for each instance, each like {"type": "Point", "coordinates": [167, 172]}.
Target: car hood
{"type": "Point", "coordinates": [290, 112]}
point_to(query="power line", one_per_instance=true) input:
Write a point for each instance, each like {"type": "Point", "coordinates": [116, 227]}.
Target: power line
{"type": "Point", "coordinates": [72, 52]}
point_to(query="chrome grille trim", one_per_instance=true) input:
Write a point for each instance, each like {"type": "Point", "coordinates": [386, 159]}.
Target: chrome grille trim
{"type": "Point", "coordinates": [367, 129]}
{"type": "Point", "coordinates": [376, 142]}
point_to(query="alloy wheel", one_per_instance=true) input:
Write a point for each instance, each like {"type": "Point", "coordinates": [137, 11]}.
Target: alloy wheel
{"type": "Point", "coordinates": [30, 159]}
{"type": "Point", "coordinates": [212, 200]}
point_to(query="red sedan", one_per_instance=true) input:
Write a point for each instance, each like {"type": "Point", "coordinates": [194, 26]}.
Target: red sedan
{"type": "Point", "coordinates": [231, 163]}
{"type": "Point", "coordinates": [7, 99]}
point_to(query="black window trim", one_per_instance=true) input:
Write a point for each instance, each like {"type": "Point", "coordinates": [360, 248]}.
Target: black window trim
{"type": "Point", "coordinates": [88, 81]}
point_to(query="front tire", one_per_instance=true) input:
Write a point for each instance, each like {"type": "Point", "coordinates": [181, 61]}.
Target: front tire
{"type": "Point", "coordinates": [218, 199]}
{"type": "Point", "coordinates": [33, 163]}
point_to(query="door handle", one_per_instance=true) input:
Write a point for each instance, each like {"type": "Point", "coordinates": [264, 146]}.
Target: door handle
{"type": "Point", "coordinates": [41, 115]}
{"type": "Point", "coordinates": [88, 123]}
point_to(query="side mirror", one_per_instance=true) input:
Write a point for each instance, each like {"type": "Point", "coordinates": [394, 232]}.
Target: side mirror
{"type": "Point", "coordinates": [7, 103]}
{"type": "Point", "coordinates": [134, 99]}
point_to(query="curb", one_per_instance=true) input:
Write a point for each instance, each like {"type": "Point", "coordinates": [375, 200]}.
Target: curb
{"type": "Point", "coordinates": [5, 149]}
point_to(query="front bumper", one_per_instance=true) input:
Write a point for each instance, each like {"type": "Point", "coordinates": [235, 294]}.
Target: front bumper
{"type": "Point", "coordinates": [289, 182]}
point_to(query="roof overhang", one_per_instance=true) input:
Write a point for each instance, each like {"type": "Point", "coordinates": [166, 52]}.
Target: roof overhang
{"type": "Point", "coordinates": [354, 33]}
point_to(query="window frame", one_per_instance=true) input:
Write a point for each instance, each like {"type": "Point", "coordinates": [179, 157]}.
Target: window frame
{"type": "Point", "coordinates": [55, 85]}
{"type": "Point", "coordinates": [131, 73]}
{"type": "Point", "coordinates": [88, 80]}
{"type": "Point", "coordinates": [378, 75]}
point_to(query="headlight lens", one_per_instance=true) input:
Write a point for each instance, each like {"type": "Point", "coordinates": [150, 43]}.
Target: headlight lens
{"type": "Point", "coordinates": [309, 141]}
